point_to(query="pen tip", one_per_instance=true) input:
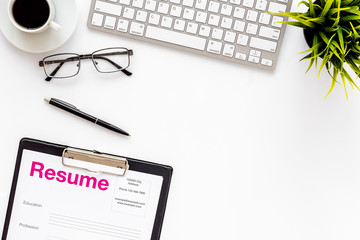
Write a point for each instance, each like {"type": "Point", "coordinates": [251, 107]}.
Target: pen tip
{"type": "Point", "coordinates": [46, 100]}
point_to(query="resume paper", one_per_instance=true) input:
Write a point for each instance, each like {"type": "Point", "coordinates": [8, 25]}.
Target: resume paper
{"type": "Point", "coordinates": [55, 202]}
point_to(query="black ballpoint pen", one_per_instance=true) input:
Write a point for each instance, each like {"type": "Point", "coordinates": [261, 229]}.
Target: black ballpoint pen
{"type": "Point", "coordinates": [74, 110]}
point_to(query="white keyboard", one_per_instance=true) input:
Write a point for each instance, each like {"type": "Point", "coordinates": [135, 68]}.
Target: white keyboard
{"type": "Point", "coordinates": [239, 31]}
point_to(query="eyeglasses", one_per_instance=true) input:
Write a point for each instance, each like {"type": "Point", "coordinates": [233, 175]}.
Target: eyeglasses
{"type": "Point", "coordinates": [106, 60]}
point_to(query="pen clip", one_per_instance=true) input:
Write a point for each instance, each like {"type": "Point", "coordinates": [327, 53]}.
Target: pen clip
{"type": "Point", "coordinates": [65, 103]}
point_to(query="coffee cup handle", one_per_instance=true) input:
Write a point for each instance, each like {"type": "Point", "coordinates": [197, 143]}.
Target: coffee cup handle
{"type": "Point", "coordinates": [55, 26]}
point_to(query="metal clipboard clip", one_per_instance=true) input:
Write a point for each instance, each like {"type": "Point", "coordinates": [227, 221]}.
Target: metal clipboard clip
{"type": "Point", "coordinates": [94, 161]}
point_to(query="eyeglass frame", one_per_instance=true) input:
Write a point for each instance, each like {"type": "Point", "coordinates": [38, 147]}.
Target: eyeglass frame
{"type": "Point", "coordinates": [79, 57]}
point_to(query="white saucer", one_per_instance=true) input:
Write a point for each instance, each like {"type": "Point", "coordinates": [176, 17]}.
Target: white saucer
{"type": "Point", "coordinates": [66, 15]}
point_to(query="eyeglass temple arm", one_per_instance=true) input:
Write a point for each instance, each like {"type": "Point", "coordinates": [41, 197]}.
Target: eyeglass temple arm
{"type": "Point", "coordinates": [53, 73]}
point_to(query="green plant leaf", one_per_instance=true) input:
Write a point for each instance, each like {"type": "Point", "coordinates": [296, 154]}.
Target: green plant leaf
{"type": "Point", "coordinates": [327, 7]}
{"type": "Point", "coordinates": [349, 78]}
{"type": "Point", "coordinates": [334, 77]}
{"type": "Point", "coordinates": [293, 23]}
{"type": "Point", "coordinates": [311, 9]}
{"type": "Point", "coordinates": [331, 88]}
{"type": "Point", "coordinates": [305, 22]}
{"type": "Point", "coordinates": [350, 18]}
{"type": "Point", "coordinates": [318, 20]}
{"type": "Point", "coordinates": [337, 20]}
{"type": "Point", "coordinates": [341, 40]}
{"type": "Point", "coordinates": [337, 10]}
{"type": "Point", "coordinates": [344, 82]}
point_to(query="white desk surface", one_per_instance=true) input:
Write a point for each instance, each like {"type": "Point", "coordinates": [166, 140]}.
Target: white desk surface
{"type": "Point", "coordinates": [256, 155]}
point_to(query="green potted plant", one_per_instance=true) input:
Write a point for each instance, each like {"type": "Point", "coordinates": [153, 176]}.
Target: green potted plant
{"type": "Point", "coordinates": [331, 29]}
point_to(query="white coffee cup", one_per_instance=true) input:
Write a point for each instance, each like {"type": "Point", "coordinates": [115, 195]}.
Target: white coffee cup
{"type": "Point", "coordinates": [27, 21]}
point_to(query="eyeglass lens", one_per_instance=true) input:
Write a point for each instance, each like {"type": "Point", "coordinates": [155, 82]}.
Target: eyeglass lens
{"type": "Point", "coordinates": [111, 60]}
{"type": "Point", "coordinates": [62, 65]}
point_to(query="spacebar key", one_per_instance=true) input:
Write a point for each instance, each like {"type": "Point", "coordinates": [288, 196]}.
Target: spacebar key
{"type": "Point", "coordinates": [175, 38]}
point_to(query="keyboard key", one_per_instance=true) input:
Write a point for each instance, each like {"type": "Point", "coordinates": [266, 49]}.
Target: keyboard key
{"type": "Point", "coordinates": [179, 25]}
{"type": "Point", "coordinates": [239, 12]}
{"type": "Point", "coordinates": [166, 22]}
{"type": "Point", "coordinates": [137, 28]}
{"type": "Point", "coordinates": [248, 3]}
{"type": "Point", "coordinates": [252, 28]}
{"type": "Point", "coordinates": [154, 18]}
{"type": "Point", "coordinates": [214, 7]}
{"type": "Point", "coordinates": [175, 1]}
{"type": "Point", "coordinates": [122, 25]}
{"type": "Point", "coordinates": [229, 36]}
{"type": "Point", "coordinates": [261, 5]}
{"type": "Point", "coordinates": [150, 5]}
{"type": "Point", "coordinates": [276, 7]}
{"type": "Point", "coordinates": [275, 21]}
{"type": "Point", "coordinates": [251, 15]}
{"type": "Point", "coordinates": [236, 2]}
{"type": "Point", "coordinates": [253, 59]}
{"type": "Point", "coordinates": [109, 22]}
{"type": "Point", "coordinates": [177, 38]}
{"type": "Point", "coordinates": [214, 20]}
{"type": "Point", "coordinates": [175, 11]}
{"type": "Point", "coordinates": [239, 26]}
{"type": "Point", "coordinates": [125, 2]}
{"type": "Point", "coordinates": [226, 9]}
{"type": "Point", "coordinates": [263, 44]}
{"type": "Point", "coordinates": [266, 62]}
{"type": "Point", "coordinates": [217, 33]}
{"type": "Point", "coordinates": [201, 17]}
{"type": "Point", "coordinates": [242, 39]}
{"type": "Point", "coordinates": [269, 33]}
{"type": "Point", "coordinates": [138, 3]}
{"type": "Point", "coordinates": [163, 8]}
{"type": "Point", "coordinates": [255, 53]}
{"type": "Point", "coordinates": [192, 28]}
{"type": "Point", "coordinates": [97, 19]}
{"type": "Point", "coordinates": [108, 8]}
{"type": "Point", "coordinates": [214, 47]}
{"type": "Point", "coordinates": [201, 4]}
{"type": "Point", "coordinates": [188, 14]}
{"type": "Point", "coordinates": [129, 13]}
{"type": "Point", "coordinates": [228, 50]}
{"type": "Point", "coordinates": [188, 3]}
{"type": "Point", "coordinates": [264, 18]}
{"type": "Point", "coordinates": [204, 31]}
{"type": "Point", "coordinates": [241, 56]}
{"type": "Point", "coordinates": [226, 23]}
{"type": "Point", "coordinates": [141, 16]}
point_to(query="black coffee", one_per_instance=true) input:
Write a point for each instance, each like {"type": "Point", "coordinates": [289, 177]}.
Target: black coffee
{"type": "Point", "coordinates": [31, 13]}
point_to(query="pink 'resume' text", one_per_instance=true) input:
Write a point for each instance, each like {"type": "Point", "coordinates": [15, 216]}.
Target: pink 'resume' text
{"type": "Point", "coordinates": [38, 170]}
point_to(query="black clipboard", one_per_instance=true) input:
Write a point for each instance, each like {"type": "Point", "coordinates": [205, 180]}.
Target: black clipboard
{"type": "Point", "coordinates": [125, 164]}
